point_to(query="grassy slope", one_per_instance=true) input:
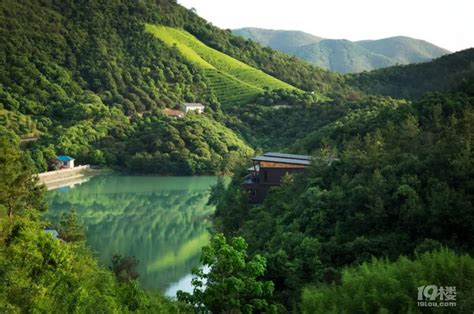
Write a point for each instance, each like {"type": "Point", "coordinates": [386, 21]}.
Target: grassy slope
{"type": "Point", "coordinates": [233, 81]}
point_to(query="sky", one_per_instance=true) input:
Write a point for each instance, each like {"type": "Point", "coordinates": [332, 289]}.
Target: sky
{"type": "Point", "coordinates": [445, 23]}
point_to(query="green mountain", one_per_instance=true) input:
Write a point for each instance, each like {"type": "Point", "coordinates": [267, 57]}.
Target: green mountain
{"type": "Point", "coordinates": [87, 85]}
{"type": "Point", "coordinates": [450, 72]}
{"type": "Point", "coordinates": [386, 172]}
{"type": "Point", "coordinates": [342, 55]}
{"type": "Point", "coordinates": [91, 80]}
{"type": "Point", "coordinates": [404, 49]}
{"type": "Point", "coordinates": [284, 41]}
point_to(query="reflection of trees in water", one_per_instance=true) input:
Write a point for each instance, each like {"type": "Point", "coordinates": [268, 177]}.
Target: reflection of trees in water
{"type": "Point", "coordinates": [162, 221]}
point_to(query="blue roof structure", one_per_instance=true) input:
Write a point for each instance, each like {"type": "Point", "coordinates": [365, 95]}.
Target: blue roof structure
{"type": "Point", "coordinates": [64, 158]}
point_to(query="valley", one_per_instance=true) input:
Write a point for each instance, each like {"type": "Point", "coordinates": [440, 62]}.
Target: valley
{"type": "Point", "coordinates": [388, 157]}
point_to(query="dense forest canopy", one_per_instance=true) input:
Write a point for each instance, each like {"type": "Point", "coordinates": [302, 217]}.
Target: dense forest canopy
{"type": "Point", "coordinates": [401, 169]}
{"type": "Point", "coordinates": [86, 77]}
{"type": "Point", "coordinates": [414, 80]}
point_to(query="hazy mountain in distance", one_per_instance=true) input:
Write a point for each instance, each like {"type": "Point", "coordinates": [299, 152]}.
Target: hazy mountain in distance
{"type": "Point", "coordinates": [404, 49]}
{"type": "Point", "coordinates": [342, 55]}
{"type": "Point", "coordinates": [282, 40]}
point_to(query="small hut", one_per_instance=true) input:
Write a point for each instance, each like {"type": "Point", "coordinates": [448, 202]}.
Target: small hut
{"type": "Point", "coordinates": [66, 162]}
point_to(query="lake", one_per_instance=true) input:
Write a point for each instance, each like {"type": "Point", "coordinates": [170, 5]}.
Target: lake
{"type": "Point", "coordinates": [162, 221]}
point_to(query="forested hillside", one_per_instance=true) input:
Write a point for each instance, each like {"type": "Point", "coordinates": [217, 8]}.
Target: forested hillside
{"type": "Point", "coordinates": [361, 287]}
{"type": "Point", "coordinates": [87, 80]}
{"type": "Point", "coordinates": [391, 187]}
{"type": "Point", "coordinates": [412, 81]}
{"type": "Point", "coordinates": [40, 273]}
{"type": "Point", "coordinates": [389, 172]}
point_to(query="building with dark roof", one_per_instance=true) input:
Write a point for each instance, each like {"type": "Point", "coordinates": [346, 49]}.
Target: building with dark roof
{"type": "Point", "coordinates": [268, 170]}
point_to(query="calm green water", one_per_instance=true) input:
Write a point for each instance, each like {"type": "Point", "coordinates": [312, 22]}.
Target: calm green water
{"type": "Point", "coordinates": [162, 221]}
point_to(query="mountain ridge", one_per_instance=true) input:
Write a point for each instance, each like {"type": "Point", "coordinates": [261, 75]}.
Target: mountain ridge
{"type": "Point", "coordinates": [271, 38]}
{"type": "Point", "coordinates": [342, 55]}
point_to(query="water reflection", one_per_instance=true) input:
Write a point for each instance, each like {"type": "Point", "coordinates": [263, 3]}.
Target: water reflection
{"type": "Point", "coordinates": [162, 221]}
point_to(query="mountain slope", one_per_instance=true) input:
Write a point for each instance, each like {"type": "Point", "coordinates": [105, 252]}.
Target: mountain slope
{"type": "Point", "coordinates": [86, 79]}
{"type": "Point", "coordinates": [404, 49]}
{"type": "Point", "coordinates": [450, 72]}
{"type": "Point", "coordinates": [233, 81]}
{"type": "Point", "coordinates": [91, 83]}
{"type": "Point", "coordinates": [342, 55]}
{"type": "Point", "coordinates": [284, 41]}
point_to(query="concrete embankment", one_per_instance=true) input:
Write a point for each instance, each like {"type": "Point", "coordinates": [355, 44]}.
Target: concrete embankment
{"type": "Point", "coordinates": [64, 177]}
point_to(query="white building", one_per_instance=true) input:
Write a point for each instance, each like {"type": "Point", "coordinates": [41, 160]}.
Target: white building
{"type": "Point", "coordinates": [187, 107]}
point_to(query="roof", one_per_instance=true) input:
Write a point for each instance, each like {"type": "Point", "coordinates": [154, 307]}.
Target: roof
{"type": "Point", "coordinates": [64, 158]}
{"type": "Point", "coordinates": [283, 160]}
{"type": "Point", "coordinates": [193, 104]}
{"type": "Point", "coordinates": [292, 161]}
{"type": "Point", "coordinates": [289, 156]}
{"type": "Point", "coordinates": [173, 113]}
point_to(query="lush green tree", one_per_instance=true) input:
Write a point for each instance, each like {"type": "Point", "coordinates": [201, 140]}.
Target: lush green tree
{"type": "Point", "coordinates": [385, 175]}
{"type": "Point", "coordinates": [70, 229]}
{"type": "Point", "coordinates": [217, 191]}
{"type": "Point", "coordinates": [42, 274]}
{"type": "Point", "coordinates": [230, 281]}
{"type": "Point", "coordinates": [412, 81]}
{"type": "Point", "coordinates": [90, 87]}
{"type": "Point", "coordinates": [380, 286]}
{"type": "Point", "coordinates": [19, 188]}
{"type": "Point", "coordinates": [191, 145]}
{"type": "Point", "coordinates": [124, 267]}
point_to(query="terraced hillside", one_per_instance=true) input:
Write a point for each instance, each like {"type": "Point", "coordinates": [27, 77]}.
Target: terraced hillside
{"type": "Point", "coordinates": [234, 82]}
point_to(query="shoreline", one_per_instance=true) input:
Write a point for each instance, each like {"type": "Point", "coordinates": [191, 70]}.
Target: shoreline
{"type": "Point", "coordinates": [68, 177]}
